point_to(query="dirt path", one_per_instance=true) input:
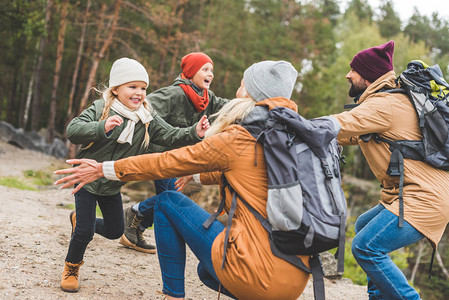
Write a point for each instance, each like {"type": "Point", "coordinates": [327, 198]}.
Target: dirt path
{"type": "Point", "coordinates": [34, 236]}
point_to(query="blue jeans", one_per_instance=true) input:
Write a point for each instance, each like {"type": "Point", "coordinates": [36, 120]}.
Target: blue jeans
{"type": "Point", "coordinates": [111, 226]}
{"type": "Point", "coordinates": [377, 234]}
{"type": "Point", "coordinates": [178, 221]}
{"type": "Point", "coordinates": [146, 207]}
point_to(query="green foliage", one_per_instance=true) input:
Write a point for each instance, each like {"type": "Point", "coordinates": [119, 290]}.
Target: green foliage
{"type": "Point", "coordinates": [437, 288]}
{"type": "Point", "coordinates": [41, 178]}
{"type": "Point", "coordinates": [353, 270]}
{"type": "Point", "coordinates": [361, 9]}
{"type": "Point", "coordinates": [389, 23]}
{"type": "Point", "coordinates": [71, 206]}
{"type": "Point", "coordinates": [30, 181]}
{"type": "Point", "coordinates": [16, 183]}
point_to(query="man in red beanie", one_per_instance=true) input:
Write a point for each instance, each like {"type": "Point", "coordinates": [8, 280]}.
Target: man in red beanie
{"type": "Point", "coordinates": [180, 104]}
{"type": "Point", "coordinates": [425, 192]}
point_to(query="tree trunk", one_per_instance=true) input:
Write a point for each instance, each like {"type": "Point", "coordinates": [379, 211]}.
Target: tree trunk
{"type": "Point", "coordinates": [440, 263]}
{"type": "Point", "coordinates": [418, 260]}
{"type": "Point", "coordinates": [37, 74]}
{"type": "Point", "coordinates": [26, 110]}
{"type": "Point", "coordinates": [98, 56]}
{"type": "Point", "coordinates": [93, 70]}
{"type": "Point", "coordinates": [59, 55]}
{"type": "Point", "coordinates": [77, 68]}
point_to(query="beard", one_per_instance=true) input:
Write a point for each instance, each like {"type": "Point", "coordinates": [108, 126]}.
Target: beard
{"type": "Point", "coordinates": [357, 88]}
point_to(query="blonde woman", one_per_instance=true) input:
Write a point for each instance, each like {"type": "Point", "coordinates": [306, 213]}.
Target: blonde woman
{"type": "Point", "coordinates": [249, 270]}
{"type": "Point", "coordinates": [121, 124]}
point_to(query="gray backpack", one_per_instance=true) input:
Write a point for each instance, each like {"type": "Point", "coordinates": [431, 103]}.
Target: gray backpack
{"type": "Point", "coordinates": [306, 205]}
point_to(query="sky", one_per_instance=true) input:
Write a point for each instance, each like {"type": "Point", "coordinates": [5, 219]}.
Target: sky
{"type": "Point", "coordinates": [405, 8]}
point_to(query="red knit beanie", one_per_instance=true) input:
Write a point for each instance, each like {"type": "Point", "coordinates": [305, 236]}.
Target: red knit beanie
{"type": "Point", "coordinates": [192, 62]}
{"type": "Point", "coordinates": [374, 62]}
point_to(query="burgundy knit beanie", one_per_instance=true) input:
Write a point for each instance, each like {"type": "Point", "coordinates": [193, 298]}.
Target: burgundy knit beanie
{"type": "Point", "coordinates": [192, 62]}
{"type": "Point", "coordinates": [374, 62]}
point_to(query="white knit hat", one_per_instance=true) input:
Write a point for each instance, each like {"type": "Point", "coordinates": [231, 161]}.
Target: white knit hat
{"type": "Point", "coordinates": [269, 79]}
{"type": "Point", "coordinates": [126, 70]}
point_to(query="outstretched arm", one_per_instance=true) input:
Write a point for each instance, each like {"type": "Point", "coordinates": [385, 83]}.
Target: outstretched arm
{"type": "Point", "coordinates": [88, 170]}
{"type": "Point", "coordinates": [207, 156]}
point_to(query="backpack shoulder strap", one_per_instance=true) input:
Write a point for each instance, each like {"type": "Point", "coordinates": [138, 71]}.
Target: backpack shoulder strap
{"type": "Point", "coordinates": [391, 91]}
{"type": "Point", "coordinates": [315, 263]}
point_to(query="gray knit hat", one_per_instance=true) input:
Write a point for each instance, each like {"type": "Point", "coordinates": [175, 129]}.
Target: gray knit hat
{"type": "Point", "coordinates": [269, 79]}
{"type": "Point", "coordinates": [126, 70]}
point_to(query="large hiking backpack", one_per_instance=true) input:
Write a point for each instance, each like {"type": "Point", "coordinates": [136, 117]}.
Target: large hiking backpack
{"type": "Point", "coordinates": [306, 205]}
{"type": "Point", "coordinates": [428, 92]}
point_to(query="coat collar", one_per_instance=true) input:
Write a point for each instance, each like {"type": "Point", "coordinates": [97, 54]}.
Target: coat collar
{"type": "Point", "coordinates": [278, 101]}
{"type": "Point", "coordinates": [385, 81]}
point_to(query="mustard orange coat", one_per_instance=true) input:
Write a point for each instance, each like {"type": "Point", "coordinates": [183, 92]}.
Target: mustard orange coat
{"type": "Point", "coordinates": [426, 189]}
{"type": "Point", "coordinates": [251, 270]}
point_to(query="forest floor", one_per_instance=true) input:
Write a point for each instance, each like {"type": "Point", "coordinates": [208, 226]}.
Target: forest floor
{"type": "Point", "coordinates": [35, 233]}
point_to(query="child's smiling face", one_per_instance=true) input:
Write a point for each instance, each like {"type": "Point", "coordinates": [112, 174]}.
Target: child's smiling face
{"type": "Point", "coordinates": [131, 94]}
{"type": "Point", "coordinates": [203, 78]}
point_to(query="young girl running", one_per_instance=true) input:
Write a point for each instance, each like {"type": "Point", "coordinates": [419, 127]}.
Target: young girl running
{"type": "Point", "coordinates": [117, 126]}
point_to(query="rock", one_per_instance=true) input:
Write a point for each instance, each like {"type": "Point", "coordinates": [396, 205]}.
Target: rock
{"type": "Point", "coordinates": [58, 149]}
{"type": "Point", "coordinates": [38, 140]}
{"type": "Point", "coordinates": [329, 264]}
{"type": "Point", "coordinates": [20, 140]}
{"type": "Point", "coordinates": [6, 131]}
{"type": "Point", "coordinates": [32, 141]}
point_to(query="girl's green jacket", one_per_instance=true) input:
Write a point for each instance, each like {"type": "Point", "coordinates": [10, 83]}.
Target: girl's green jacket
{"type": "Point", "coordinates": [86, 129]}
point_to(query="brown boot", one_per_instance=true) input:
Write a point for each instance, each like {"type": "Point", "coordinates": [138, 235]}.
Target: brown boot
{"type": "Point", "coordinates": [70, 274]}
{"type": "Point", "coordinates": [73, 221]}
{"type": "Point", "coordinates": [132, 236]}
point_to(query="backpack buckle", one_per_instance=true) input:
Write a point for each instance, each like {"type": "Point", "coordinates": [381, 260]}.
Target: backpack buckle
{"type": "Point", "coordinates": [290, 138]}
{"type": "Point", "coordinates": [327, 170]}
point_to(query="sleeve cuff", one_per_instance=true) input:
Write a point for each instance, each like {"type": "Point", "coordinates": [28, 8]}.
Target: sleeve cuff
{"type": "Point", "coordinates": [335, 122]}
{"type": "Point", "coordinates": [196, 178]}
{"type": "Point", "coordinates": [109, 170]}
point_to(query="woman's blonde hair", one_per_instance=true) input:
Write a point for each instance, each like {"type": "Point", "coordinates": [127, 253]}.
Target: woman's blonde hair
{"type": "Point", "coordinates": [108, 97]}
{"type": "Point", "coordinates": [232, 112]}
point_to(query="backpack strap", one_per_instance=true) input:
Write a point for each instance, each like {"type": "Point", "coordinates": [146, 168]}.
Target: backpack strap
{"type": "Point", "coordinates": [214, 216]}
{"type": "Point", "coordinates": [293, 259]}
{"type": "Point", "coordinates": [315, 263]}
{"type": "Point", "coordinates": [396, 168]}
{"type": "Point", "coordinates": [218, 212]}
{"type": "Point", "coordinates": [350, 106]}
{"type": "Point", "coordinates": [318, 277]}
{"type": "Point", "coordinates": [391, 91]}
{"type": "Point", "coordinates": [399, 149]}
{"type": "Point", "coordinates": [228, 227]}
{"type": "Point", "coordinates": [431, 262]}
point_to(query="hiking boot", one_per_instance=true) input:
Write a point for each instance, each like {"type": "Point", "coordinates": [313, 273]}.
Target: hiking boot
{"type": "Point", "coordinates": [73, 221]}
{"type": "Point", "coordinates": [133, 236]}
{"type": "Point", "coordinates": [70, 274]}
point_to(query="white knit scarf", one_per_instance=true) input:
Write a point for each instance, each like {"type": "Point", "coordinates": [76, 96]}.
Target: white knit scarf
{"type": "Point", "coordinates": [134, 116]}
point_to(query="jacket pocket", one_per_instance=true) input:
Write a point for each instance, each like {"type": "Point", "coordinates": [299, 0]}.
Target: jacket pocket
{"type": "Point", "coordinates": [234, 234]}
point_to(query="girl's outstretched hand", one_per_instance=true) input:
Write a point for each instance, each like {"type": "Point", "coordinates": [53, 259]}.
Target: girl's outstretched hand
{"type": "Point", "coordinates": [88, 170]}
{"type": "Point", "coordinates": [180, 184]}
{"type": "Point", "coordinates": [202, 126]}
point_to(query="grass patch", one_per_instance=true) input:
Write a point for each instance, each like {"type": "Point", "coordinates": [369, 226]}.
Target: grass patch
{"type": "Point", "coordinates": [71, 206]}
{"type": "Point", "coordinates": [30, 180]}
{"type": "Point", "coordinates": [39, 177]}
{"type": "Point", "coordinates": [14, 182]}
